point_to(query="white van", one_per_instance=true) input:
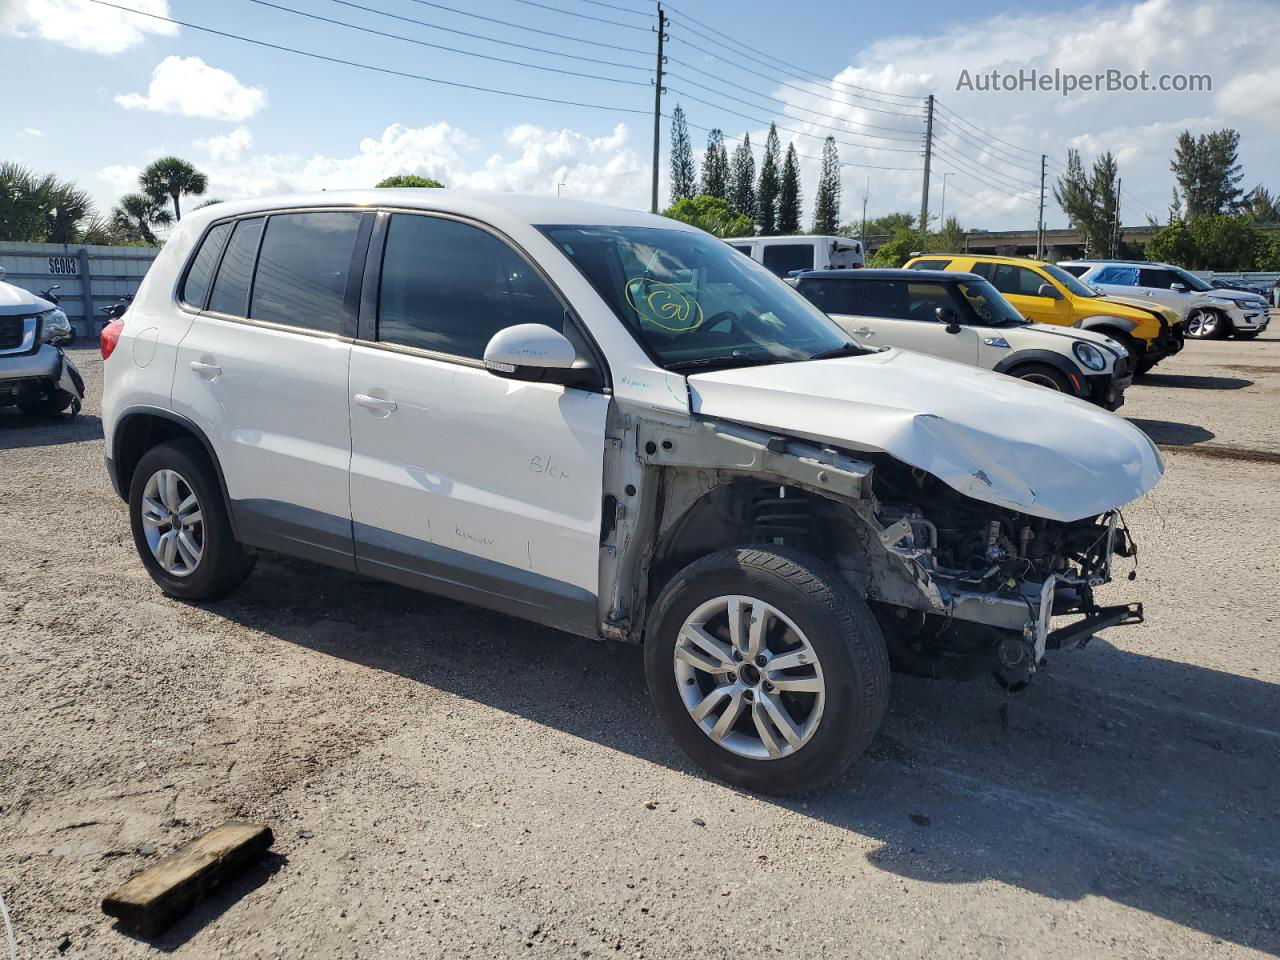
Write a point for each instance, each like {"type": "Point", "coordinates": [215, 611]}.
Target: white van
{"type": "Point", "coordinates": [786, 256]}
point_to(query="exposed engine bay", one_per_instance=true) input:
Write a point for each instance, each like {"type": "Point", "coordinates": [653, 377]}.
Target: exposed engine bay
{"type": "Point", "coordinates": [961, 587]}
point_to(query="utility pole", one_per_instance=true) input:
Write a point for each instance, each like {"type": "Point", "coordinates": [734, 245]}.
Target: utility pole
{"type": "Point", "coordinates": [657, 109]}
{"type": "Point", "coordinates": [866, 192]}
{"type": "Point", "coordinates": [1115, 235]}
{"type": "Point", "coordinates": [1040, 251]}
{"type": "Point", "coordinates": [924, 190]}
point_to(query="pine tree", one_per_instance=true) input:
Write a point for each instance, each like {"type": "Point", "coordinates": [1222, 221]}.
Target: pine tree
{"type": "Point", "coordinates": [1103, 190]}
{"type": "Point", "coordinates": [742, 179]}
{"type": "Point", "coordinates": [767, 191]}
{"type": "Point", "coordinates": [789, 193]}
{"type": "Point", "coordinates": [715, 167]}
{"type": "Point", "coordinates": [1207, 172]}
{"type": "Point", "coordinates": [826, 208]}
{"type": "Point", "coordinates": [682, 174]}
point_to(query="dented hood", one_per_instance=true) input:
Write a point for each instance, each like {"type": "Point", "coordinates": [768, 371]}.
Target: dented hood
{"type": "Point", "coordinates": [989, 436]}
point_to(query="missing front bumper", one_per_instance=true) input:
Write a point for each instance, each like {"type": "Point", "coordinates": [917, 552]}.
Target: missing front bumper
{"type": "Point", "coordinates": [1074, 636]}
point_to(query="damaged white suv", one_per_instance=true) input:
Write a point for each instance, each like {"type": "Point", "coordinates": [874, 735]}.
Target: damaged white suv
{"type": "Point", "coordinates": [613, 424]}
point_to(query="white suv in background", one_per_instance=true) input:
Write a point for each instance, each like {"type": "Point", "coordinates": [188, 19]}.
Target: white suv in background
{"type": "Point", "coordinates": [612, 424]}
{"type": "Point", "coordinates": [787, 256]}
{"type": "Point", "coordinates": [1209, 313]}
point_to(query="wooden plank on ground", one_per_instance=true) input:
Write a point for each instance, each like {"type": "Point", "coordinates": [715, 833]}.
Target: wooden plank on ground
{"type": "Point", "coordinates": [154, 898]}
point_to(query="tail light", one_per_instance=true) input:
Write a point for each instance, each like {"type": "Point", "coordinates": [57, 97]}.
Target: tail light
{"type": "Point", "coordinates": [110, 337]}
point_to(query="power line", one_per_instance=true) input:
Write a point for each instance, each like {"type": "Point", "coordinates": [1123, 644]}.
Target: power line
{"type": "Point", "coordinates": [984, 146]}
{"type": "Point", "coordinates": [915, 136]}
{"type": "Point", "coordinates": [807, 93]}
{"type": "Point", "coordinates": [819, 76]}
{"type": "Point", "coordinates": [439, 46]}
{"type": "Point", "coordinates": [988, 135]}
{"type": "Point", "coordinates": [365, 66]}
{"type": "Point", "coordinates": [986, 170]}
{"type": "Point", "coordinates": [806, 156]}
{"type": "Point", "coordinates": [526, 29]}
{"type": "Point", "coordinates": [614, 6]}
{"type": "Point", "coordinates": [783, 83]}
{"type": "Point", "coordinates": [977, 174]}
{"type": "Point", "coordinates": [584, 16]}
{"type": "Point", "coordinates": [799, 133]}
{"type": "Point", "coordinates": [487, 39]}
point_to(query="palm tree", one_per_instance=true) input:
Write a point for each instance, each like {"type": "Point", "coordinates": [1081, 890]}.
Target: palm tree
{"type": "Point", "coordinates": [170, 178]}
{"type": "Point", "coordinates": [40, 209]}
{"type": "Point", "coordinates": [137, 213]}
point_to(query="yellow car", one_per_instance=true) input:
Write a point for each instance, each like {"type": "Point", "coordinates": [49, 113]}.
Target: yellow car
{"type": "Point", "coordinates": [1045, 293]}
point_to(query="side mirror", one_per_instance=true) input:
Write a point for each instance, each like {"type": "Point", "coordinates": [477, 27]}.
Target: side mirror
{"type": "Point", "coordinates": [1178, 287]}
{"type": "Point", "coordinates": [535, 352]}
{"type": "Point", "coordinates": [948, 316]}
{"type": "Point", "coordinates": [1048, 290]}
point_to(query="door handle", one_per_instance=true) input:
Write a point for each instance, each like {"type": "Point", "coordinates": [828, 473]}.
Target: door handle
{"type": "Point", "coordinates": [375, 404]}
{"type": "Point", "coordinates": [207, 370]}
{"type": "Point", "coordinates": [863, 332]}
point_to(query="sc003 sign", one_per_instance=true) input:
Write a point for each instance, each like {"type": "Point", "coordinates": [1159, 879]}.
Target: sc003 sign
{"type": "Point", "coordinates": [64, 266]}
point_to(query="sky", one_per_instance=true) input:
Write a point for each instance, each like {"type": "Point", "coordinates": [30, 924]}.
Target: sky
{"type": "Point", "coordinates": [107, 91]}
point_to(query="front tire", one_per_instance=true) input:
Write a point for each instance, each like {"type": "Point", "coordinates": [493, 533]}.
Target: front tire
{"type": "Point", "coordinates": [180, 524]}
{"type": "Point", "coordinates": [766, 668]}
{"type": "Point", "coordinates": [1205, 324]}
{"type": "Point", "coordinates": [50, 406]}
{"type": "Point", "coordinates": [1044, 375]}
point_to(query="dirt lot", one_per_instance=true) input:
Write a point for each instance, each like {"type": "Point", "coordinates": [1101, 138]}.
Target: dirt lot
{"type": "Point", "coordinates": [445, 782]}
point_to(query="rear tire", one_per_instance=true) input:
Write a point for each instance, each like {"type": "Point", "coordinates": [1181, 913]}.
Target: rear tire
{"type": "Point", "coordinates": [1045, 376]}
{"type": "Point", "coordinates": [833, 688]}
{"type": "Point", "coordinates": [220, 564]}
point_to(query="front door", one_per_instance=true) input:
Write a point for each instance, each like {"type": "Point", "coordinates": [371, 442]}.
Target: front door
{"type": "Point", "coordinates": [904, 313]}
{"type": "Point", "coordinates": [462, 482]}
{"type": "Point", "coordinates": [1021, 287]}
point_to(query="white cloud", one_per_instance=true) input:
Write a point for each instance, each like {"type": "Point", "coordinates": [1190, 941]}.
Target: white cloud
{"type": "Point", "coordinates": [189, 86]}
{"type": "Point", "coordinates": [534, 160]}
{"type": "Point", "coordinates": [230, 146]}
{"type": "Point", "coordinates": [84, 25]}
{"type": "Point", "coordinates": [122, 178]}
{"type": "Point", "coordinates": [1252, 94]}
{"type": "Point", "coordinates": [30, 132]}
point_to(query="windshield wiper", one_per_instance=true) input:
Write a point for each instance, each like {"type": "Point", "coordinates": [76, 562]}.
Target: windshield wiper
{"type": "Point", "coordinates": [849, 349]}
{"type": "Point", "coordinates": [702, 363]}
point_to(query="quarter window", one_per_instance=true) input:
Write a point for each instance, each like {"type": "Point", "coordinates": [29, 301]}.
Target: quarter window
{"type": "Point", "coordinates": [930, 265]}
{"type": "Point", "coordinates": [196, 287]}
{"type": "Point", "coordinates": [834, 296]}
{"type": "Point", "coordinates": [231, 288]}
{"type": "Point", "coordinates": [783, 258]}
{"type": "Point", "coordinates": [303, 269]}
{"type": "Point", "coordinates": [449, 287]}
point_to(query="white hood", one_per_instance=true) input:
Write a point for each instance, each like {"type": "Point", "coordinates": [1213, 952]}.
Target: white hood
{"type": "Point", "coordinates": [14, 301]}
{"type": "Point", "coordinates": [989, 436]}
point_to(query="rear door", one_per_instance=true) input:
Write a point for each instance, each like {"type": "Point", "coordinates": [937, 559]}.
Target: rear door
{"type": "Point", "coordinates": [788, 256]}
{"type": "Point", "coordinates": [1021, 287]}
{"type": "Point", "coordinates": [1155, 282]}
{"type": "Point", "coordinates": [462, 482]}
{"type": "Point", "coordinates": [263, 371]}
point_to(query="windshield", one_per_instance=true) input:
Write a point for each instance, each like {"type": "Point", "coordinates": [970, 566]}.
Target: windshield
{"type": "Point", "coordinates": [989, 304]}
{"type": "Point", "coordinates": [693, 301]}
{"type": "Point", "coordinates": [1073, 284]}
{"type": "Point", "coordinates": [1191, 281]}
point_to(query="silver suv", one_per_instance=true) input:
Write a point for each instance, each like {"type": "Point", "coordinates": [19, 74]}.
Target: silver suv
{"type": "Point", "coordinates": [1209, 313]}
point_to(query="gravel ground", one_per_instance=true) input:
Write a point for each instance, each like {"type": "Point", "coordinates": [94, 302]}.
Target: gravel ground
{"type": "Point", "coordinates": [445, 782]}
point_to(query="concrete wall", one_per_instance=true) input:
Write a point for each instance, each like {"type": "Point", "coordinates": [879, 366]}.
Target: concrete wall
{"type": "Point", "coordinates": [91, 276]}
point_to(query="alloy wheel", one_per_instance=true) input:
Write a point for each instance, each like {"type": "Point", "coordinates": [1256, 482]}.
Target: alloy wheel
{"type": "Point", "coordinates": [1202, 324]}
{"type": "Point", "coordinates": [749, 677]}
{"type": "Point", "coordinates": [172, 522]}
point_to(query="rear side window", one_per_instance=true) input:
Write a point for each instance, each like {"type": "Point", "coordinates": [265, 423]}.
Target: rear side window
{"type": "Point", "coordinates": [303, 269]}
{"type": "Point", "coordinates": [231, 288]}
{"type": "Point", "coordinates": [1018, 281]}
{"type": "Point", "coordinates": [834, 296]}
{"type": "Point", "coordinates": [741, 248]}
{"type": "Point", "coordinates": [782, 258]}
{"type": "Point", "coordinates": [200, 276]}
{"type": "Point", "coordinates": [449, 287]}
{"type": "Point", "coordinates": [1117, 276]}
{"type": "Point", "coordinates": [930, 265]}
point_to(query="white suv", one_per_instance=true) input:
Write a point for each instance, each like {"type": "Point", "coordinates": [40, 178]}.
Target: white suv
{"type": "Point", "coordinates": [612, 424]}
{"type": "Point", "coordinates": [1209, 313]}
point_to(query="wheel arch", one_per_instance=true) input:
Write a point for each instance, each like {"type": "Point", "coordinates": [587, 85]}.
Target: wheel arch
{"type": "Point", "coordinates": [139, 429]}
{"type": "Point", "coordinates": [1009, 365]}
